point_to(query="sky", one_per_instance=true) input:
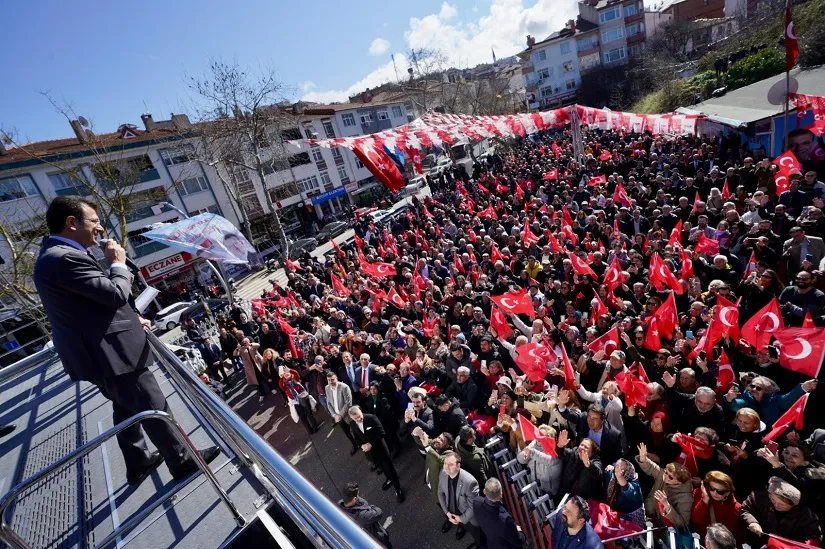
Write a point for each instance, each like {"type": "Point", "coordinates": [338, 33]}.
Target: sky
{"type": "Point", "coordinates": [112, 61]}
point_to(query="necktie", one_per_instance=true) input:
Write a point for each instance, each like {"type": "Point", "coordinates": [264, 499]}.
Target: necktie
{"type": "Point", "coordinates": [351, 373]}
{"type": "Point", "coordinates": [364, 376]}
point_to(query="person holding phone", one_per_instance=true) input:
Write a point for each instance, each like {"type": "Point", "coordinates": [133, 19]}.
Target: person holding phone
{"type": "Point", "coordinates": [714, 502]}
{"type": "Point", "coordinates": [802, 252]}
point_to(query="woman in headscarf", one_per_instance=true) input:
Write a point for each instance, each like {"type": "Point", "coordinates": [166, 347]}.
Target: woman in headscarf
{"type": "Point", "coordinates": [624, 494]}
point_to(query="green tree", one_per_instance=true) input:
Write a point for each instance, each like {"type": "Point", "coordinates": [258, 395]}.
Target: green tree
{"type": "Point", "coordinates": [754, 68]}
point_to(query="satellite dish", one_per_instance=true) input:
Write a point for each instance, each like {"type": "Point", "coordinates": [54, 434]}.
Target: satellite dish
{"type": "Point", "coordinates": [83, 121]}
{"type": "Point", "coordinates": [780, 90]}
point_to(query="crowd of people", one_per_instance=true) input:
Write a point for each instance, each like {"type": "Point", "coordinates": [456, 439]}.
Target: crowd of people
{"type": "Point", "coordinates": [596, 298]}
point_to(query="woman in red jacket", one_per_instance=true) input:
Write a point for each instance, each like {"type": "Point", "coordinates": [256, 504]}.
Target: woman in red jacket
{"type": "Point", "coordinates": [714, 502]}
{"type": "Point", "coordinates": [298, 398]}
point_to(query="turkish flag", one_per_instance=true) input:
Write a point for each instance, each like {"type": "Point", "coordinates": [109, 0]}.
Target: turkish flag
{"type": "Point", "coordinates": [808, 321]}
{"type": "Point", "coordinates": [258, 307]}
{"type": "Point", "coordinates": [634, 389]}
{"type": "Point", "coordinates": [554, 244]}
{"type": "Point", "coordinates": [551, 175]}
{"type": "Point", "coordinates": [728, 314]}
{"type": "Point", "coordinates": [726, 375]}
{"type": "Point", "coordinates": [705, 245]}
{"type": "Point", "coordinates": [597, 180]}
{"type": "Point", "coordinates": [605, 155]}
{"type": "Point", "coordinates": [427, 325]}
{"type": "Point", "coordinates": [791, 45]}
{"type": "Point", "coordinates": [580, 267]}
{"type": "Point", "coordinates": [599, 310]}
{"type": "Point", "coordinates": [377, 269]}
{"type": "Point", "coordinates": [750, 267]}
{"type": "Point", "coordinates": [606, 522]}
{"type": "Point", "coordinates": [527, 235]}
{"type": "Point", "coordinates": [519, 192]}
{"type": "Point", "coordinates": [620, 196]}
{"type": "Point", "coordinates": [692, 449]}
{"type": "Point", "coordinates": [499, 322]}
{"type": "Point", "coordinates": [495, 255]}
{"type": "Point", "coordinates": [531, 432]}
{"type": "Point", "coordinates": [787, 164]}
{"type": "Point", "coordinates": [667, 317]}
{"type": "Point", "coordinates": [338, 285]}
{"type": "Point", "coordinates": [566, 218]}
{"type": "Point", "coordinates": [802, 349]}
{"type": "Point", "coordinates": [765, 323]}
{"type": "Point", "coordinates": [712, 336]}
{"type": "Point", "coordinates": [395, 298]}
{"type": "Point", "coordinates": [613, 274]}
{"type": "Point", "coordinates": [556, 149]}
{"type": "Point", "coordinates": [660, 275]}
{"type": "Point", "coordinates": [458, 264]}
{"type": "Point", "coordinates": [607, 342]}
{"type": "Point", "coordinates": [292, 265]}
{"type": "Point", "coordinates": [285, 326]}
{"type": "Point", "coordinates": [488, 212]}
{"type": "Point", "coordinates": [794, 416]}
{"type": "Point", "coordinates": [379, 164]}
{"type": "Point", "coordinates": [652, 340]}
{"type": "Point", "coordinates": [687, 265]}
{"type": "Point", "coordinates": [676, 235]}
{"type": "Point", "coordinates": [502, 189]}
{"type": "Point", "coordinates": [515, 303]}
{"type": "Point", "coordinates": [533, 359]}
{"type": "Point", "coordinates": [725, 190]}
{"type": "Point", "coordinates": [359, 242]}
{"type": "Point", "coordinates": [569, 373]}
{"type": "Point", "coordinates": [777, 542]}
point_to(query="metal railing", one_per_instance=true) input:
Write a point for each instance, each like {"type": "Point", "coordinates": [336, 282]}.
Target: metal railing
{"type": "Point", "coordinates": [323, 523]}
{"type": "Point", "coordinates": [10, 537]}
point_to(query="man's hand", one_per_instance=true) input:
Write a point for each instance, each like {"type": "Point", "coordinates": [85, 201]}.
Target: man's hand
{"type": "Point", "coordinates": [366, 447]}
{"type": "Point", "coordinates": [809, 385]}
{"type": "Point", "coordinates": [669, 380]}
{"type": "Point", "coordinates": [113, 252]}
{"type": "Point", "coordinates": [642, 452]}
{"type": "Point", "coordinates": [453, 518]}
{"type": "Point", "coordinates": [338, 418]}
{"type": "Point", "coordinates": [147, 324]}
{"type": "Point", "coordinates": [755, 528]}
{"type": "Point", "coordinates": [563, 439]}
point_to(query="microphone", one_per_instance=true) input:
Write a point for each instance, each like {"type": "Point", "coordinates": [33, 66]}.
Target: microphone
{"type": "Point", "coordinates": [129, 263]}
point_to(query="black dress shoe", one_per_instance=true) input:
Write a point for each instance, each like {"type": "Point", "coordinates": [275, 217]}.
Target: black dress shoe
{"type": "Point", "coordinates": [6, 429]}
{"type": "Point", "coordinates": [353, 450]}
{"type": "Point", "coordinates": [446, 526]}
{"type": "Point", "coordinates": [399, 496]}
{"type": "Point", "coordinates": [154, 463]}
{"type": "Point", "coordinates": [386, 485]}
{"type": "Point", "coordinates": [208, 455]}
{"type": "Point", "coordinates": [460, 531]}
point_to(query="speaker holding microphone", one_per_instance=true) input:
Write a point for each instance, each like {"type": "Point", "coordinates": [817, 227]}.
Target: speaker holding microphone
{"type": "Point", "coordinates": [129, 263]}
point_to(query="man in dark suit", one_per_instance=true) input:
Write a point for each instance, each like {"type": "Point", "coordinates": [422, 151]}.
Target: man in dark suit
{"type": "Point", "coordinates": [364, 375]}
{"type": "Point", "coordinates": [496, 523]}
{"type": "Point", "coordinates": [99, 336]}
{"type": "Point", "coordinates": [592, 425]}
{"type": "Point", "coordinates": [369, 434]}
{"type": "Point", "coordinates": [211, 354]}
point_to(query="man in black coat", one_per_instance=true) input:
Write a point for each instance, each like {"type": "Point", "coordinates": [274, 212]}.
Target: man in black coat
{"type": "Point", "coordinates": [99, 336]}
{"type": "Point", "coordinates": [369, 434]}
{"type": "Point", "coordinates": [496, 523]}
{"type": "Point", "coordinates": [211, 354]}
{"type": "Point", "coordinates": [450, 418]}
{"type": "Point", "coordinates": [592, 425]}
{"type": "Point", "coordinates": [692, 411]}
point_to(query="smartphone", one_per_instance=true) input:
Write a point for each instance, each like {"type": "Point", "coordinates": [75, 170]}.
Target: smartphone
{"type": "Point", "coordinates": [809, 258]}
{"type": "Point", "coordinates": [502, 409]}
{"type": "Point", "coordinates": [702, 355]}
{"type": "Point", "coordinates": [773, 446]}
{"type": "Point", "coordinates": [494, 394]}
{"type": "Point", "coordinates": [689, 334]}
{"type": "Point", "coordinates": [483, 363]}
{"type": "Point", "coordinates": [410, 407]}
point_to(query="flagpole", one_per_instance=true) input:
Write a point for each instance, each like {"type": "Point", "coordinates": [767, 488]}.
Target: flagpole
{"type": "Point", "coordinates": [787, 101]}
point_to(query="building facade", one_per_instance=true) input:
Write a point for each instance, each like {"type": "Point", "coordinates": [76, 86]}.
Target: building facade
{"type": "Point", "coordinates": [551, 70]}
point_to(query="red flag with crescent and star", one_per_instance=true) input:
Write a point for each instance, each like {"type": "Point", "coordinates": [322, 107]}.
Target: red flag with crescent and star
{"type": "Point", "coordinates": [597, 180]}
{"type": "Point", "coordinates": [675, 239]}
{"type": "Point", "coordinates": [791, 45]}
{"type": "Point", "coordinates": [379, 164]}
{"type": "Point", "coordinates": [530, 432]}
{"type": "Point", "coordinates": [634, 389]}
{"type": "Point", "coordinates": [767, 322]}
{"type": "Point", "coordinates": [802, 349]}
{"type": "Point", "coordinates": [580, 266]}
{"type": "Point", "coordinates": [515, 303]}
{"type": "Point", "coordinates": [661, 276]}
{"type": "Point", "coordinates": [705, 245]}
{"type": "Point", "coordinates": [613, 274]}
{"type": "Point", "coordinates": [569, 373]}
{"type": "Point", "coordinates": [667, 317]}
{"type": "Point", "coordinates": [607, 342]}
{"type": "Point", "coordinates": [787, 164]}
{"type": "Point", "coordinates": [499, 322]}
{"type": "Point", "coordinates": [728, 314]}
{"type": "Point", "coordinates": [687, 265]}
{"type": "Point", "coordinates": [620, 196]}
{"type": "Point", "coordinates": [377, 270]}
{"type": "Point", "coordinates": [533, 359]}
{"type": "Point", "coordinates": [794, 416]}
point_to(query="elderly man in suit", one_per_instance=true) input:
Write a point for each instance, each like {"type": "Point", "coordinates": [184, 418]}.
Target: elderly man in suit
{"type": "Point", "coordinates": [99, 336]}
{"type": "Point", "coordinates": [457, 490]}
{"type": "Point", "coordinates": [364, 375]}
{"type": "Point", "coordinates": [369, 434]}
{"type": "Point", "coordinates": [802, 252]}
{"type": "Point", "coordinates": [495, 521]}
{"type": "Point", "coordinates": [339, 401]}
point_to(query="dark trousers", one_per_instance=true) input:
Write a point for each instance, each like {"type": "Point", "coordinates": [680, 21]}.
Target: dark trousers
{"type": "Point", "coordinates": [476, 534]}
{"type": "Point", "coordinates": [345, 428]}
{"type": "Point", "coordinates": [131, 394]}
{"type": "Point", "coordinates": [216, 372]}
{"type": "Point", "coordinates": [304, 409]}
{"type": "Point", "coordinates": [263, 385]}
{"type": "Point", "coordinates": [380, 456]}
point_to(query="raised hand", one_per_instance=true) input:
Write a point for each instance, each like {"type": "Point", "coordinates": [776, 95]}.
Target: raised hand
{"type": "Point", "coordinates": [564, 438]}
{"type": "Point", "coordinates": [669, 380]}
{"type": "Point", "coordinates": [642, 452]}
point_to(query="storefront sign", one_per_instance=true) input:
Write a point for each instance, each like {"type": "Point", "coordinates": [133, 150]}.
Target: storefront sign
{"type": "Point", "coordinates": [165, 265]}
{"type": "Point", "coordinates": [329, 195]}
{"type": "Point", "coordinates": [351, 187]}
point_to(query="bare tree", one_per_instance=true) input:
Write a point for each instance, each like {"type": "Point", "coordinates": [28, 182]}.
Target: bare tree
{"type": "Point", "coordinates": [241, 130]}
{"type": "Point", "coordinates": [425, 86]}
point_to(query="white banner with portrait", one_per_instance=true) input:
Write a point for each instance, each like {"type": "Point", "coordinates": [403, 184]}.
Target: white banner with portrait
{"type": "Point", "coordinates": [208, 236]}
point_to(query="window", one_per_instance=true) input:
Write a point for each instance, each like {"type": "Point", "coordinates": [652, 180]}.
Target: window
{"type": "Point", "coordinates": [66, 184]}
{"type": "Point", "coordinates": [252, 205]}
{"type": "Point", "coordinates": [283, 192]}
{"type": "Point", "coordinates": [316, 154]}
{"type": "Point", "coordinates": [20, 186]}
{"type": "Point", "coordinates": [328, 129]}
{"type": "Point", "coordinates": [611, 35]}
{"type": "Point", "coordinates": [546, 92]}
{"type": "Point", "coordinates": [342, 174]}
{"type": "Point", "coordinates": [309, 132]}
{"type": "Point", "coordinates": [540, 56]}
{"type": "Point", "coordinates": [570, 84]}
{"type": "Point", "coordinates": [213, 209]}
{"type": "Point", "coordinates": [366, 118]}
{"type": "Point", "coordinates": [565, 47]}
{"type": "Point", "coordinates": [610, 14]}
{"type": "Point", "coordinates": [193, 185]}
{"type": "Point", "coordinates": [308, 184]}
{"type": "Point", "coordinates": [238, 174]}
{"type": "Point", "coordinates": [348, 119]}
{"type": "Point", "coordinates": [299, 159]}
{"type": "Point", "coordinates": [634, 29]}
{"type": "Point", "coordinates": [614, 55]}
{"type": "Point", "coordinates": [396, 112]}
{"type": "Point", "coordinates": [586, 43]}
{"type": "Point", "coordinates": [383, 114]}
{"type": "Point", "coordinates": [142, 245]}
{"type": "Point", "coordinates": [290, 134]}
{"type": "Point", "coordinates": [630, 9]}
{"type": "Point", "coordinates": [178, 155]}
{"type": "Point", "coordinates": [358, 163]}
{"type": "Point", "coordinates": [325, 179]}
{"type": "Point", "coordinates": [567, 66]}
{"type": "Point", "coordinates": [543, 73]}
{"type": "Point", "coordinates": [336, 153]}
{"type": "Point", "coordinates": [634, 50]}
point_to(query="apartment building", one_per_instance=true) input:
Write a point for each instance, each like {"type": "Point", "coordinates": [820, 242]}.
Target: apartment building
{"type": "Point", "coordinates": [660, 13]}
{"type": "Point", "coordinates": [621, 28]}
{"type": "Point", "coordinates": [551, 69]}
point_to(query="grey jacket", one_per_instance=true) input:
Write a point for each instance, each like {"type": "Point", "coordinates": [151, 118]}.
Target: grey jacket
{"type": "Point", "coordinates": [545, 469]}
{"type": "Point", "coordinates": [680, 497]}
{"type": "Point", "coordinates": [95, 329]}
{"type": "Point", "coordinates": [466, 492]}
{"type": "Point", "coordinates": [344, 400]}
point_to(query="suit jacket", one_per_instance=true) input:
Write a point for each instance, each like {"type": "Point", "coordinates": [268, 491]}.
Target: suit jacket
{"type": "Point", "coordinates": [95, 329]}
{"type": "Point", "coordinates": [611, 446]}
{"type": "Point", "coordinates": [211, 354]}
{"type": "Point", "coordinates": [343, 376]}
{"type": "Point", "coordinates": [497, 524]}
{"type": "Point", "coordinates": [465, 493]}
{"type": "Point", "coordinates": [816, 247]}
{"type": "Point", "coordinates": [359, 376]}
{"type": "Point", "coordinates": [344, 395]}
{"type": "Point", "coordinates": [373, 434]}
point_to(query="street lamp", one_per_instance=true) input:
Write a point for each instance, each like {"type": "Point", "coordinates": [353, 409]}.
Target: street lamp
{"type": "Point", "coordinates": [158, 209]}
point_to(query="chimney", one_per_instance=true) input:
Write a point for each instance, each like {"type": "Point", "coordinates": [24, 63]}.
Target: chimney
{"type": "Point", "coordinates": [181, 121]}
{"type": "Point", "coordinates": [148, 123]}
{"type": "Point", "coordinates": [530, 41]}
{"type": "Point", "coordinates": [78, 131]}
{"type": "Point", "coordinates": [571, 24]}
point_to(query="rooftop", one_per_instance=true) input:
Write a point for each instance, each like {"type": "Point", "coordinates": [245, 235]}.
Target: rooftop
{"type": "Point", "coordinates": [750, 104]}
{"type": "Point", "coordinates": [581, 26]}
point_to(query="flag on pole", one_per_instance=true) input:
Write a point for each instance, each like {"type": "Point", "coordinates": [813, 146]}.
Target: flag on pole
{"type": "Point", "coordinates": [791, 45]}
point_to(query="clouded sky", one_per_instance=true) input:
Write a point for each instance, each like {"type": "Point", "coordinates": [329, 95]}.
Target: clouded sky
{"type": "Point", "coordinates": [114, 60]}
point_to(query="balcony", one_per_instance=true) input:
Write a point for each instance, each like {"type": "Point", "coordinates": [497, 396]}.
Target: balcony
{"type": "Point", "coordinates": [531, 87]}
{"type": "Point", "coordinates": [140, 213]}
{"type": "Point", "coordinates": [636, 38]}
{"type": "Point", "coordinates": [589, 69]}
{"type": "Point", "coordinates": [527, 68]}
{"type": "Point", "coordinates": [638, 16]}
{"type": "Point", "coordinates": [585, 49]}
{"type": "Point", "coordinates": [321, 165]}
{"type": "Point", "coordinates": [149, 175]}
{"type": "Point", "coordinates": [339, 160]}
